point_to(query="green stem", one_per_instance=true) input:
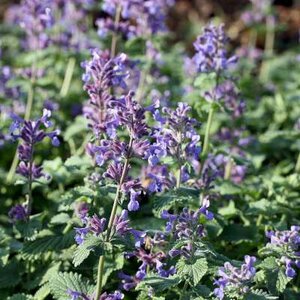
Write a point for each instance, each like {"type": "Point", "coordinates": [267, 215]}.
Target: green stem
{"type": "Point", "coordinates": [30, 199]}
{"type": "Point", "coordinates": [111, 220]}
{"type": "Point", "coordinates": [207, 130]}
{"type": "Point", "coordinates": [29, 104]}
{"type": "Point", "coordinates": [209, 120]}
{"type": "Point", "coordinates": [140, 89]}
{"type": "Point", "coordinates": [100, 272]}
{"type": "Point", "coordinates": [68, 77]}
{"type": "Point", "coordinates": [270, 36]}
{"type": "Point", "coordinates": [115, 36]}
{"type": "Point", "coordinates": [253, 38]}
{"type": "Point", "coordinates": [183, 290]}
{"type": "Point", "coordinates": [297, 167]}
{"type": "Point", "coordinates": [228, 169]}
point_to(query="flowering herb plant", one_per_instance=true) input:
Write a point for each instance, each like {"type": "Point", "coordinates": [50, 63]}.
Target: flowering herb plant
{"type": "Point", "coordinates": [134, 168]}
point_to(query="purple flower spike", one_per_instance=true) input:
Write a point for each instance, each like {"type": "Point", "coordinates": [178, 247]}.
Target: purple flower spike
{"type": "Point", "coordinates": [288, 241]}
{"type": "Point", "coordinates": [234, 278]}
{"type": "Point", "coordinates": [18, 213]}
{"type": "Point", "coordinates": [31, 133]}
{"type": "Point", "coordinates": [211, 54]}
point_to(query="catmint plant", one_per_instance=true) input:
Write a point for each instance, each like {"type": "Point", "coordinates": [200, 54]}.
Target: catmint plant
{"type": "Point", "coordinates": [175, 136]}
{"type": "Point", "coordinates": [235, 282]}
{"type": "Point", "coordinates": [212, 57]}
{"type": "Point", "coordinates": [286, 243]}
{"type": "Point", "coordinates": [30, 133]}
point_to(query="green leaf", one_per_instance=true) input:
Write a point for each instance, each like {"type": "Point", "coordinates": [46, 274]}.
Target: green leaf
{"type": "Point", "coordinates": [10, 275]}
{"type": "Point", "coordinates": [83, 251]}
{"type": "Point", "coordinates": [194, 271]}
{"type": "Point", "coordinates": [282, 281]}
{"type": "Point", "coordinates": [112, 263]}
{"type": "Point", "coordinates": [77, 162]}
{"type": "Point", "coordinates": [239, 233]}
{"type": "Point", "coordinates": [21, 297]}
{"type": "Point", "coordinates": [76, 127]}
{"type": "Point", "coordinates": [61, 282]}
{"type": "Point", "coordinates": [269, 263]}
{"type": "Point", "coordinates": [276, 280]}
{"type": "Point", "coordinates": [32, 250]}
{"type": "Point", "coordinates": [31, 228]}
{"type": "Point", "coordinates": [259, 295]}
{"type": "Point", "coordinates": [158, 283]}
{"type": "Point", "coordinates": [228, 188]}
{"type": "Point", "coordinates": [182, 196]}
{"type": "Point", "coordinates": [61, 218]}
{"type": "Point", "coordinates": [42, 292]}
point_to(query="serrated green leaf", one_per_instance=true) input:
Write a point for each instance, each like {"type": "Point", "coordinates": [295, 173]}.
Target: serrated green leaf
{"type": "Point", "coordinates": [77, 162]}
{"type": "Point", "coordinates": [269, 263]}
{"type": "Point", "coordinates": [21, 297]}
{"type": "Point", "coordinates": [61, 282]}
{"type": "Point", "coordinates": [42, 292]}
{"type": "Point", "coordinates": [259, 295]}
{"type": "Point", "coordinates": [10, 275]}
{"type": "Point", "coordinates": [33, 249]}
{"type": "Point", "coordinates": [112, 263]}
{"type": "Point", "coordinates": [282, 281]}
{"type": "Point", "coordinates": [61, 218]}
{"type": "Point", "coordinates": [158, 283]}
{"type": "Point", "coordinates": [181, 196]}
{"type": "Point", "coordinates": [83, 251]}
{"type": "Point", "coordinates": [194, 271]}
{"type": "Point", "coordinates": [276, 280]}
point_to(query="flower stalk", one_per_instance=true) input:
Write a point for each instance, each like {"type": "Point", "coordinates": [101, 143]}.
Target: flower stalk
{"type": "Point", "coordinates": [112, 217]}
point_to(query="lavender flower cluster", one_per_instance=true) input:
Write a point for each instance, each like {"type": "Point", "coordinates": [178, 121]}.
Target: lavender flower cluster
{"type": "Point", "coordinates": [288, 243]}
{"type": "Point", "coordinates": [260, 9]}
{"type": "Point", "coordinates": [30, 133]}
{"type": "Point", "coordinates": [149, 17]}
{"type": "Point", "coordinates": [58, 22]}
{"type": "Point", "coordinates": [75, 295]}
{"type": "Point", "coordinates": [233, 279]}
{"type": "Point", "coordinates": [175, 136]}
{"type": "Point", "coordinates": [152, 258]}
{"type": "Point", "coordinates": [186, 227]}
{"type": "Point", "coordinates": [96, 226]}
{"type": "Point", "coordinates": [102, 73]}
{"type": "Point", "coordinates": [211, 54]}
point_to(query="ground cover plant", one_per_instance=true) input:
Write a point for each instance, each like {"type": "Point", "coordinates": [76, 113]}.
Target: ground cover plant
{"type": "Point", "coordinates": [138, 165]}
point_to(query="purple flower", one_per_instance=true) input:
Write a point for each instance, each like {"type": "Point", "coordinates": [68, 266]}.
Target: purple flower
{"type": "Point", "coordinates": [35, 17]}
{"type": "Point", "coordinates": [157, 178]}
{"type": "Point", "coordinates": [226, 93]}
{"type": "Point", "coordinates": [77, 295]}
{"type": "Point", "coordinates": [233, 278]}
{"type": "Point", "coordinates": [211, 54]}
{"type": "Point", "coordinates": [288, 242]}
{"type": "Point", "coordinates": [93, 225]}
{"type": "Point", "coordinates": [101, 74]}
{"type": "Point", "coordinates": [81, 209]}
{"type": "Point", "coordinates": [175, 136]}
{"type": "Point", "coordinates": [31, 133]}
{"type": "Point", "coordinates": [133, 204]}
{"type": "Point", "coordinates": [117, 295]}
{"type": "Point", "coordinates": [260, 9]}
{"type": "Point", "coordinates": [18, 213]}
{"type": "Point", "coordinates": [148, 17]}
{"type": "Point", "coordinates": [186, 227]}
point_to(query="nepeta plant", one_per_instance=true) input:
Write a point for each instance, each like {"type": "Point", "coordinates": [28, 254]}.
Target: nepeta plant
{"type": "Point", "coordinates": [147, 198]}
{"type": "Point", "coordinates": [235, 281]}
{"type": "Point", "coordinates": [30, 133]}
{"type": "Point", "coordinates": [212, 57]}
